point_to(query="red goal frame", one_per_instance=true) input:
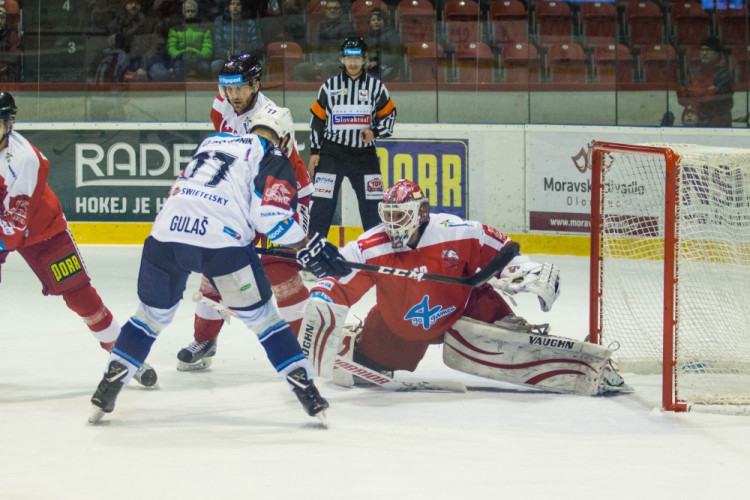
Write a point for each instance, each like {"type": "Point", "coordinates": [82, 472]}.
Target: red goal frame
{"type": "Point", "coordinates": [670, 401]}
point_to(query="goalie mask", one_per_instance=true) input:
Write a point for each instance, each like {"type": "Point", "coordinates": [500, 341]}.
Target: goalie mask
{"type": "Point", "coordinates": [403, 210]}
{"type": "Point", "coordinates": [279, 120]}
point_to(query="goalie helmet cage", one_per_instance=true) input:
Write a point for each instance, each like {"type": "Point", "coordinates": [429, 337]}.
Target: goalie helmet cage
{"type": "Point", "coordinates": [670, 268]}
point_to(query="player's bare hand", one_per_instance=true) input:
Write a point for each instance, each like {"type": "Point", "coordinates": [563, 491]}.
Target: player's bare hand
{"type": "Point", "coordinates": [312, 165]}
{"type": "Point", "coordinates": [367, 135]}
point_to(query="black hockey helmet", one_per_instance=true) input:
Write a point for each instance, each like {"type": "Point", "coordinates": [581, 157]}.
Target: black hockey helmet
{"type": "Point", "coordinates": [244, 68]}
{"type": "Point", "coordinates": [354, 46]}
{"type": "Point", "coordinates": [7, 105]}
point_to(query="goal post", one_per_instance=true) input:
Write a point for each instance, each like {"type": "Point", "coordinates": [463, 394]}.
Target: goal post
{"type": "Point", "coordinates": [670, 267]}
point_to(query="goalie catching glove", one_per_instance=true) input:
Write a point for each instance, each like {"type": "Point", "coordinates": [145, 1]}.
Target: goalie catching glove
{"type": "Point", "coordinates": [322, 258]}
{"type": "Point", "coordinates": [523, 275]}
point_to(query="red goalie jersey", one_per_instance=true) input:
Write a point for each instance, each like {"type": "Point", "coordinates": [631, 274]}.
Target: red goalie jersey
{"type": "Point", "coordinates": [410, 309]}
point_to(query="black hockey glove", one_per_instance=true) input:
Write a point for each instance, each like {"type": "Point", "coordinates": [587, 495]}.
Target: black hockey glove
{"type": "Point", "coordinates": [322, 258]}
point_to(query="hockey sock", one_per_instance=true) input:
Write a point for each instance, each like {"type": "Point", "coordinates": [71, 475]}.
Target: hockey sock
{"type": "Point", "coordinates": [281, 346]}
{"type": "Point", "coordinates": [206, 329]}
{"type": "Point", "coordinates": [134, 342]}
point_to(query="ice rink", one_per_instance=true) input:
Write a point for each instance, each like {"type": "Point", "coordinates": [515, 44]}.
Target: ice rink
{"type": "Point", "coordinates": [236, 431]}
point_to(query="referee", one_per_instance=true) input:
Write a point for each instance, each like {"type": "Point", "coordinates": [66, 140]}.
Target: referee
{"type": "Point", "coordinates": [352, 110]}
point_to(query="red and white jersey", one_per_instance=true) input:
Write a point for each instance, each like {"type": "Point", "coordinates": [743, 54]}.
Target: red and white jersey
{"type": "Point", "coordinates": [29, 210]}
{"type": "Point", "coordinates": [417, 310]}
{"type": "Point", "coordinates": [226, 119]}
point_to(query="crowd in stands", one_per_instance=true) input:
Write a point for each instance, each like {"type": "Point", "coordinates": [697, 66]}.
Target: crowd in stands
{"type": "Point", "coordinates": [463, 41]}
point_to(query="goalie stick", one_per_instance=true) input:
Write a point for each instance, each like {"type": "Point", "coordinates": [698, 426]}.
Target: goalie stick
{"type": "Point", "coordinates": [498, 262]}
{"type": "Point", "coordinates": [390, 383]}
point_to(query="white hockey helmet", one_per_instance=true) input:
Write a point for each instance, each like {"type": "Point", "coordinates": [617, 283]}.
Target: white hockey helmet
{"type": "Point", "coordinates": [280, 121]}
{"type": "Point", "coordinates": [404, 208]}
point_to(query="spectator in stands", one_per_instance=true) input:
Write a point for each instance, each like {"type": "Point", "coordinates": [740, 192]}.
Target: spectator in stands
{"type": "Point", "coordinates": [114, 61]}
{"type": "Point", "coordinates": [190, 45]}
{"type": "Point", "coordinates": [385, 51]}
{"type": "Point", "coordinates": [101, 13]}
{"type": "Point", "coordinates": [10, 50]}
{"type": "Point", "coordinates": [324, 53]}
{"type": "Point", "coordinates": [709, 88]}
{"type": "Point", "coordinates": [144, 41]}
{"type": "Point", "coordinates": [289, 26]}
{"type": "Point", "coordinates": [690, 117]}
{"type": "Point", "coordinates": [234, 33]}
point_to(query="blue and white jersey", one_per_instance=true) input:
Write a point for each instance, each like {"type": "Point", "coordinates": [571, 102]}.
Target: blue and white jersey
{"type": "Point", "coordinates": [234, 187]}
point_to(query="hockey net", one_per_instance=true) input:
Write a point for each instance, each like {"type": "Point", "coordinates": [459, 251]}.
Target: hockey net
{"type": "Point", "coordinates": [670, 267]}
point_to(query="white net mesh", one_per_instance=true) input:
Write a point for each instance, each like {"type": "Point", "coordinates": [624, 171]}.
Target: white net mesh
{"type": "Point", "coordinates": [713, 262]}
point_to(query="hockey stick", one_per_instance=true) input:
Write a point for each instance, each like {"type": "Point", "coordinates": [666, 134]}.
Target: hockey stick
{"type": "Point", "coordinates": [498, 262]}
{"type": "Point", "coordinates": [390, 383]}
{"type": "Point", "coordinates": [225, 312]}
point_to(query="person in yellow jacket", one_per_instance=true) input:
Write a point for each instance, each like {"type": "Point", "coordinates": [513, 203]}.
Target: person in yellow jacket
{"type": "Point", "coordinates": [190, 45]}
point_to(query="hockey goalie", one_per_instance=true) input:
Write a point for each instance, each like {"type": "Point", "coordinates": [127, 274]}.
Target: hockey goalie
{"type": "Point", "coordinates": [479, 332]}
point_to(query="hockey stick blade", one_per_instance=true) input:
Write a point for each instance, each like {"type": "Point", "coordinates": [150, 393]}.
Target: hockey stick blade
{"type": "Point", "coordinates": [501, 259]}
{"type": "Point", "coordinates": [386, 382]}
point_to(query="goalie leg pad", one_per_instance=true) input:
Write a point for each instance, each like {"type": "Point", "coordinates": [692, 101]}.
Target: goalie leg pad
{"type": "Point", "coordinates": [545, 362]}
{"type": "Point", "coordinates": [320, 334]}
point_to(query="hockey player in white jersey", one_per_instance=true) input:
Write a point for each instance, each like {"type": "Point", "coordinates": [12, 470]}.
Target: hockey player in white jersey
{"type": "Point", "coordinates": [238, 107]}
{"type": "Point", "coordinates": [234, 187]}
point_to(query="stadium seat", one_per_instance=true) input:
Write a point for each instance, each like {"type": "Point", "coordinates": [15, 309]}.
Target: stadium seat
{"type": "Point", "coordinates": [509, 22]}
{"type": "Point", "coordinates": [741, 64]}
{"type": "Point", "coordinates": [644, 23]}
{"type": "Point", "coordinates": [613, 63]}
{"type": "Point", "coordinates": [474, 63]}
{"type": "Point", "coordinates": [315, 12]}
{"type": "Point", "coordinates": [520, 63]}
{"type": "Point", "coordinates": [281, 58]}
{"type": "Point", "coordinates": [554, 22]}
{"type": "Point", "coordinates": [690, 23]}
{"type": "Point", "coordinates": [567, 63]}
{"type": "Point", "coordinates": [659, 64]}
{"type": "Point", "coordinates": [415, 20]}
{"type": "Point", "coordinates": [426, 62]}
{"type": "Point", "coordinates": [733, 27]}
{"type": "Point", "coordinates": [361, 10]}
{"type": "Point", "coordinates": [599, 23]}
{"type": "Point", "coordinates": [462, 22]}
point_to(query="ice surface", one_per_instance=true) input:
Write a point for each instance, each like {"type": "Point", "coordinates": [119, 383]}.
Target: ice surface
{"type": "Point", "coordinates": [236, 431]}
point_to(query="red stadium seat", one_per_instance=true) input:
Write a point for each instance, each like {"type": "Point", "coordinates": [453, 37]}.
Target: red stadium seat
{"type": "Point", "coordinates": [614, 63]}
{"type": "Point", "coordinates": [361, 10]}
{"type": "Point", "coordinates": [599, 23]}
{"type": "Point", "coordinates": [659, 64]}
{"type": "Point", "coordinates": [520, 63]}
{"type": "Point", "coordinates": [462, 20]}
{"type": "Point", "coordinates": [426, 61]}
{"type": "Point", "coordinates": [416, 21]}
{"type": "Point", "coordinates": [690, 23]}
{"type": "Point", "coordinates": [509, 22]}
{"type": "Point", "coordinates": [315, 12]}
{"type": "Point", "coordinates": [281, 58]}
{"type": "Point", "coordinates": [567, 63]}
{"type": "Point", "coordinates": [474, 63]}
{"type": "Point", "coordinates": [733, 27]}
{"type": "Point", "coordinates": [644, 23]}
{"type": "Point", "coordinates": [554, 22]}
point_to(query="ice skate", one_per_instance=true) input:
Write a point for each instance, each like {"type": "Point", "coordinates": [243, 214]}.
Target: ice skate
{"type": "Point", "coordinates": [146, 375]}
{"type": "Point", "coordinates": [107, 391]}
{"type": "Point", "coordinates": [518, 324]}
{"type": "Point", "coordinates": [305, 390]}
{"type": "Point", "coordinates": [196, 356]}
{"type": "Point", "coordinates": [612, 382]}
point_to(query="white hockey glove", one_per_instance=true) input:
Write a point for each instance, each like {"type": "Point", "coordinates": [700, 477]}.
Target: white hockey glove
{"type": "Point", "coordinates": [523, 275]}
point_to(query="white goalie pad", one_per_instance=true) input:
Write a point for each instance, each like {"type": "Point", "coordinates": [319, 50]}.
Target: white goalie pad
{"type": "Point", "coordinates": [545, 362]}
{"type": "Point", "coordinates": [320, 334]}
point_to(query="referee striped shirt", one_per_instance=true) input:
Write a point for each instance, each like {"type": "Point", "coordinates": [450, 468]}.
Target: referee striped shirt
{"type": "Point", "coordinates": [345, 106]}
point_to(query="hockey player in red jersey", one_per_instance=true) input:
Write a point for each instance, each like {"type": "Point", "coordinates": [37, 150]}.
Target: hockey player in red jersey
{"type": "Point", "coordinates": [32, 223]}
{"type": "Point", "coordinates": [410, 315]}
{"type": "Point", "coordinates": [237, 108]}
